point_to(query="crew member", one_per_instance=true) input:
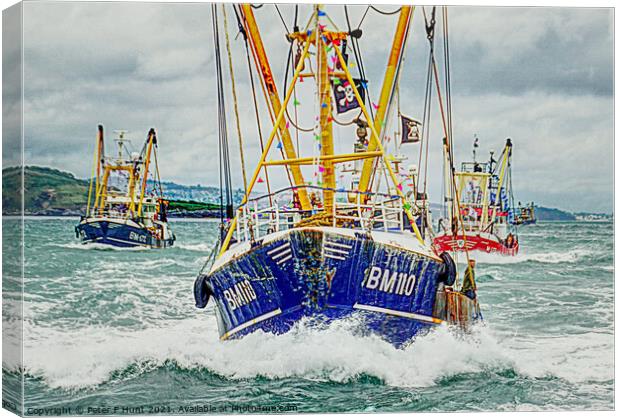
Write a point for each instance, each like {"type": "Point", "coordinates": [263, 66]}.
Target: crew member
{"type": "Point", "coordinates": [469, 280]}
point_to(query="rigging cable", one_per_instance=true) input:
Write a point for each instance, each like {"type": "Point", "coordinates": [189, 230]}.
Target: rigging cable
{"type": "Point", "coordinates": [385, 13]}
{"type": "Point", "coordinates": [270, 109]}
{"type": "Point", "coordinates": [281, 18]}
{"type": "Point", "coordinates": [252, 85]}
{"type": "Point", "coordinates": [451, 162]}
{"type": "Point", "coordinates": [234, 94]}
{"type": "Point", "coordinates": [225, 178]}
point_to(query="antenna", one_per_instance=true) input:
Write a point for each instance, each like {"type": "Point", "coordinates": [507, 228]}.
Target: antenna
{"type": "Point", "coordinates": [476, 145]}
{"type": "Point", "coordinates": [120, 141]}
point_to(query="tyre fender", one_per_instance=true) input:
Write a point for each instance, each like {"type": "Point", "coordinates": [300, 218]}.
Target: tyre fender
{"type": "Point", "coordinates": [447, 271]}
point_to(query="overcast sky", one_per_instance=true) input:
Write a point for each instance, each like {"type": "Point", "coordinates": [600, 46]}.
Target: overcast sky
{"type": "Point", "coordinates": [541, 76]}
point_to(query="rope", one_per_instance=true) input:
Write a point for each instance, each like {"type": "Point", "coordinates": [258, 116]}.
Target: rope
{"type": "Point", "coordinates": [161, 192]}
{"type": "Point", "coordinates": [234, 94]}
{"type": "Point", "coordinates": [255, 101]}
{"type": "Point", "coordinates": [385, 13]}
{"type": "Point", "coordinates": [269, 105]}
{"type": "Point", "coordinates": [92, 176]}
{"type": "Point", "coordinates": [363, 17]}
{"type": "Point", "coordinates": [282, 19]}
{"type": "Point", "coordinates": [225, 179]}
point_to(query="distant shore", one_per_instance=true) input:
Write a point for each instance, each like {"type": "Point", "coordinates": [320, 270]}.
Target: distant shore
{"type": "Point", "coordinates": [76, 214]}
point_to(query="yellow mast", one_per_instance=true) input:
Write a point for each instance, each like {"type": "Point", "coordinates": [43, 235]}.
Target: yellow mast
{"type": "Point", "coordinates": [375, 135]}
{"type": "Point", "coordinates": [146, 169]}
{"type": "Point", "coordinates": [272, 91]}
{"type": "Point", "coordinates": [320, 37]}
{"type": "Point", "coordinates": [507, 150]}
{"type": "Point", "coordinates": [96, 169]}
{"type": "Point", "coordinates": [327, 143]}
{"type": "Point", "coordinates": [389, 80]}
{"type": "Point", "coordinates": [272, 135]}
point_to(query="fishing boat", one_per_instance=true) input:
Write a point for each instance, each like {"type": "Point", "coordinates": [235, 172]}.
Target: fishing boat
{"type": "Point", "coordinates": [525, 215]}
{"type": "Point", "coordinates": [345, 238]}
{"type": "Point", "coordinates": [125, 207]}
{"type": "Point", "coordinates": [486, 208]}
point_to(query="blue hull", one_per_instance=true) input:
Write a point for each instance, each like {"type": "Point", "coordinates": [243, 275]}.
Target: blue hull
{"type": "Point", "coordinates": [323, 275]}
{"type": "Point", "coordinates": [118, 234]}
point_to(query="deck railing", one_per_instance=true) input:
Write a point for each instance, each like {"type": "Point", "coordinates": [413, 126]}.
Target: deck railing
{"type": "Point", "coordinates": [264, 215]}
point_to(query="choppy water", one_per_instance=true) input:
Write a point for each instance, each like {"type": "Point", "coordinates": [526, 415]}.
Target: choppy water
{"type": "Point", "coordinates": [110, 328]}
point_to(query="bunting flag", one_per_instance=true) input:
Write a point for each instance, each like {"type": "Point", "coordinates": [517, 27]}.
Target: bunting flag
{"type": "Point", "coordinates": [344, 95]}
{"type": "Point", "coordinates": [410, 129]}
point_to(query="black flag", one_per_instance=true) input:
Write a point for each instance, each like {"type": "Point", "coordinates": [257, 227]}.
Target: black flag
{"type": "Point", "coordinates": [411, 130]}
{"type": "Point", "coordinates": [344, 95]}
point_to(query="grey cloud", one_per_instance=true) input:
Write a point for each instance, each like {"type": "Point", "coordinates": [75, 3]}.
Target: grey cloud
{"type": "Point", "coordinates": [539, 75]}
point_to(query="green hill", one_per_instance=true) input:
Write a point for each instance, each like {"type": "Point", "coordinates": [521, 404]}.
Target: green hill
{"type": "Point", "coordinates": [53, 192]}
{"type": "Point", "coordinates": [552, 214]}
{"type": "Point", "coordinates": [46, 191]}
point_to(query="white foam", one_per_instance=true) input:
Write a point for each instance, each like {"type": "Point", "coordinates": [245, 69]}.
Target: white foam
{"type": "Point", "coordinates": [202, 247]}
{"type": "Point", "coordinates": [86, 357]}
{"type": "Point", "coordinates": [551, 257]}
{"type": "Point", "coordinates": [96, 246]}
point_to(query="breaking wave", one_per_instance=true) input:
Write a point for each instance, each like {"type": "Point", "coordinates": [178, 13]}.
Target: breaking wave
{"type": "Point", "coordinates": [93, 356]}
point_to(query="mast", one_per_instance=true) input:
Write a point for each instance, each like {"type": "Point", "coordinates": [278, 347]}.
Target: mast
{"type": "Point", "coordinates": [505, 161]}
{"type": "Point", "coordinates": [151, 140]}
{"type": "Point", "coordinates": [327, 143]}
{"type": "Point", "coordinates": [98, 160]}
{"type": "Point", "coordinates": [449, 196]}
{"type": "Point", "coordinates": [387, 89]}
{"type": "Point", "coordinates": [272, 91]}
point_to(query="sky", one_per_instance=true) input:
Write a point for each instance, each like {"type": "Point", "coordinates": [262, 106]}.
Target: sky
{"type": "Point", "coordinates": [541, 76]}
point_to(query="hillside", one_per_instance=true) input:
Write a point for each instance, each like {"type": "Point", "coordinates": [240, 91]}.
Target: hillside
{"type": "Point", "coordinates": [46, 191]}
{"type": "Point", "coordinates": [552, 214]}
{"type": "Point", "coordinates": [53, 192]}
{"type": "Point", "coordinates": [49, 191]}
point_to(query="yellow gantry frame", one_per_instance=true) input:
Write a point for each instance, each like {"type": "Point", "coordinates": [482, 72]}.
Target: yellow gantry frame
{"type": "Point", "coordinates": [327, 157]}
{"type": "Point", "coordinates": [389, 80]}
{"type": "Point", "coordinates": [265, 70]}
{"type": "Point", "coordinates": [146, 170]}
{"type": "Point", "coordinates": [101, 191]}
{"type": "Point", "coordinates": [507, 150]}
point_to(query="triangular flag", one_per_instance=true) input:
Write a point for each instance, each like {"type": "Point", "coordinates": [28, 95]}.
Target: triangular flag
{"type": "Point", "coordinates": [279, 146]}
{"type": "Point", "coordinates": [260, 180]}
{"type": "Point", "coordinates": [288, 124]}
{"type": "Point", "coordinates": [296, 102]}
{"type": "Point", "coordinates": [320, 12]}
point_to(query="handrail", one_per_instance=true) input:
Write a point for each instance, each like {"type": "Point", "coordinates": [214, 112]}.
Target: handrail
{"type": "Point", "coordinates": [255, 222]}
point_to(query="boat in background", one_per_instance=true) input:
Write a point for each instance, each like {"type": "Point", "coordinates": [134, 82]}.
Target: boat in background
{"type": "Point", "coordinates": [124, 208]}
{"type": "Point", "coordinates": [525, 215]}
{"type": "Point", "coordinates": [485, 210]}
{"type": "Point", "coordinates": [333, 247]}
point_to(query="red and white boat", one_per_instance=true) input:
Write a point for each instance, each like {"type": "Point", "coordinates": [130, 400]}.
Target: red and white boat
{"type": "Point", "coordinates": [485, 207]}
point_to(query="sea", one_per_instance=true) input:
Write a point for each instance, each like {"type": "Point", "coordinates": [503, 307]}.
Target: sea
{"type": "Point", "coordinates": [116, 332]}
